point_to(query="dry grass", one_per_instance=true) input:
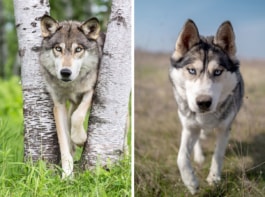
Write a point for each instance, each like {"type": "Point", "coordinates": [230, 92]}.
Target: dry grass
{"type": "Point", "coordinates": [158, 130]}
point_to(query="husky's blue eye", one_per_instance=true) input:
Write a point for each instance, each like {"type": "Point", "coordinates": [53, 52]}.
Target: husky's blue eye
{"type": "Point", "coordinates": [57, 48]}
{"type": "Point", "coordinates": [192, 71]}
{"type": "Point", "coordinates": [217, 72]}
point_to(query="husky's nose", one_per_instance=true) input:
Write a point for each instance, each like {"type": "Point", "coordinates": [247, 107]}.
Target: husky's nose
{"type": "Point", "coordinates": [65, 73]}
{"type": "Point", "coordinates": [204, 102]}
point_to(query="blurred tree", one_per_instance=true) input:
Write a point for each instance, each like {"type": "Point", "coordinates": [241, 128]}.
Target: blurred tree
{"type": "Point", "coordinates": [2, 42]}
{"type": "Point", "coordinates": [81, 10]}
{"type": "Point", "coordinates": [40, 139]}
{"type": "Point", "coordinates": [107, 121]}
{"type": "Point", "coordinates": [11, 65]}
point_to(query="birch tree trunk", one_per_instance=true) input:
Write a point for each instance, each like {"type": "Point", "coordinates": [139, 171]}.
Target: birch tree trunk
{"type": "Point", "coordinates": [108, 116]}
{"type": "Point", "coordinates": [39, 127]}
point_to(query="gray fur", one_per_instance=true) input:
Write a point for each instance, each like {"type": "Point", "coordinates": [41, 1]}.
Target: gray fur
{"type": "Point", "coordinates": [70, 55]}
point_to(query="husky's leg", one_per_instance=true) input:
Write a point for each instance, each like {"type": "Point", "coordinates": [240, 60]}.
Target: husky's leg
{"type": "Point", "coordinates": [198, 152]}
{"type": "Point", "coordinates": [60, 115]}
{"type": "Point", "coordinates": [188, 139]}
{"type": "Point", "coordinates": [217, 159]}
{"type": "Point", "coordinates": [78, 134]}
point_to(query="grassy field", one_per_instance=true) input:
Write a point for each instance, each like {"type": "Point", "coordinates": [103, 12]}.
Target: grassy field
{"type": "Point", "coordinates": [158, 130]}
{"type": "Point", "coordinates": [25, 179]}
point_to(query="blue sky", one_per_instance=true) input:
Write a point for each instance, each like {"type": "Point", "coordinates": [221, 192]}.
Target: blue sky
{"type": "Point", "coordinates": [158, 22]}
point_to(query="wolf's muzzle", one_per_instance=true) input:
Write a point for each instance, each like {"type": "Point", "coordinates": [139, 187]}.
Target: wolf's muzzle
{"type": "Point", "coordinates": [66, 73]}
{"type": "Point", "coordinates": [204, 102]}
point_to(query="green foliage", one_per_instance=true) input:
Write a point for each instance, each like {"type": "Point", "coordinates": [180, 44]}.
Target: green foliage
{"type": "Point", "coordinates": [11, 101]}
{"type": "Point", "coordinates": [10, 40]}
{"type": "Point", "coordinates": [82, 10]}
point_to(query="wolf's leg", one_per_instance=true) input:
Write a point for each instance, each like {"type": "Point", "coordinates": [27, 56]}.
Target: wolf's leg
{"type": "Point", "coordinates": [78, 134]}
{"type": "Point", "coordinates": [127, 127]}
{"type": "Point", "coordinates": [217, 159]}
{"type": "Point", "coordinates": [188, 139]}
{"type": "Point", "coordinates": [60, 115]}
{"type": "Point", "coordinates": [72, 108]}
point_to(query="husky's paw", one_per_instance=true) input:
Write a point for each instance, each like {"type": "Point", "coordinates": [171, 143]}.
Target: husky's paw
{"type": "Point", "coordinates": [213, 179]}
{"type": "Point", "coordinates": [194, 188]}
{"type": "Point", "coordinates": [191, 182]}
{"type": "Point", "coordinates": [78, 137]}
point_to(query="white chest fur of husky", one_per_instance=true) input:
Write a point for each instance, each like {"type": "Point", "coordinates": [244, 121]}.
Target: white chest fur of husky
{"type": "Point", "coordinates": [209, 89]}
{"type": "Point", "coordinates": [69, 58]}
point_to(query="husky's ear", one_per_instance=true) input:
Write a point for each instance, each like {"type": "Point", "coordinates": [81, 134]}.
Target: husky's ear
{"type": "Point", "coordinates": [188, 37]}
{"type": "Point", "coordinates": [48, 26]}
{"type": "Point", "coordinates": [91, 28]}
{"type": "Point", "coordinates": [225, 38]}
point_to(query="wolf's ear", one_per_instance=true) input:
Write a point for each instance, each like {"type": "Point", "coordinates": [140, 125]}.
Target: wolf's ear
{"type": "Point", "coordinates": [91, 28]}
{"type": "Point", "coordinates": [48, 26]}
{"type": "Point", "coordinates": [225, 38]}
{"type": "Point", "coordinates": [188, 37]}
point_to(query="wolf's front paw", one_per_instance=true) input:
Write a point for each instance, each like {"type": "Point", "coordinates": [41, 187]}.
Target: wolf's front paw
{"type": "Point", "coordinates": [78, 137]}
{"type": "Point", "coordinates": [67, 166]}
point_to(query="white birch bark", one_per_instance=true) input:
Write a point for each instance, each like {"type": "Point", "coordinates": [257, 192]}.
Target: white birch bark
{"type": "Point", "coordinates": [39, 127]}
{"type": "Point", "coordinates": [108, 116]}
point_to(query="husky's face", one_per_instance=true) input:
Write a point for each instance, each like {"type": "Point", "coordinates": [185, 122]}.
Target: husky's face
{"type": "Point", "coordinates": [203, 69]}
{"type": "Point", "coordinates": [69, 48]}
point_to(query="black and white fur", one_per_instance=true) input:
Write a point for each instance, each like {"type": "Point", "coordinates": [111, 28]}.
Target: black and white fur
{"type": "Point", "coordinates": [209, 89]}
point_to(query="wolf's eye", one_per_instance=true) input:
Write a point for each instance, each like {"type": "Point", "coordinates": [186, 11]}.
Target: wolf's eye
{"type": "Point", "coordinates": [217, 72]}
{"type": "Point", "coordinates": [78, 49]}
{"type": "Point", "coordinates": [57, 48]}
{"type": "Point", "coordinates": [192, 71]}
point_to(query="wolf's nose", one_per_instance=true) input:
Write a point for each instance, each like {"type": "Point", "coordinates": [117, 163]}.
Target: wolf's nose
{"type": "Point", "coordinates": [204, 102]}
{"type": "Point", "coordinates": [66, 73]}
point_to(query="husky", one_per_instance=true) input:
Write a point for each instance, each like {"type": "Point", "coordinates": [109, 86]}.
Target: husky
{"type": "Point", "coordinates": [69, 58]}
{"type": "Point", "coordinates": [208, 89]}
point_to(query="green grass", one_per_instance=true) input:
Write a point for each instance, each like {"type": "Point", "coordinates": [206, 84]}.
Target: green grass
{"type": "Point", "coordinates": [40, 179]}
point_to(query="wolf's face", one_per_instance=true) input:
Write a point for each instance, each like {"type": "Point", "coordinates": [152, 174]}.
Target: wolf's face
{"type": "Point", "coordinates": [203, 69]}
{"type": "Point", "coordinates": [69, 47]}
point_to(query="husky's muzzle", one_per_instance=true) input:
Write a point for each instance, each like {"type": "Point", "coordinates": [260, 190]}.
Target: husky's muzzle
{"type": "Point", "coordinates": [65, 74]}
{"type": "Point", "coordinates": [204, 103]}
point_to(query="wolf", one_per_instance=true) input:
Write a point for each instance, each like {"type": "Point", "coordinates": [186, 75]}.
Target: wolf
{"type": "Point", "coordinates": [208, 88]}
{"type": "Point", "coordinates": [69, 57]}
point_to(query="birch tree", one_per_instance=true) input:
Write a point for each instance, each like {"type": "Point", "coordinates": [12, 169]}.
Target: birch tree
{"type": "Point", "coordinates": [39, 127]}
{"type": "Point", "coordinates": [108, 116]}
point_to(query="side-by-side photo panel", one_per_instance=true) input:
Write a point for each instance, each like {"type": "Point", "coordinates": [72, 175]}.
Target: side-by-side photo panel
{"type": "Point", "coordinates": [66, 98]}
{"type": "Point", "coordinates": [199, 92]}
